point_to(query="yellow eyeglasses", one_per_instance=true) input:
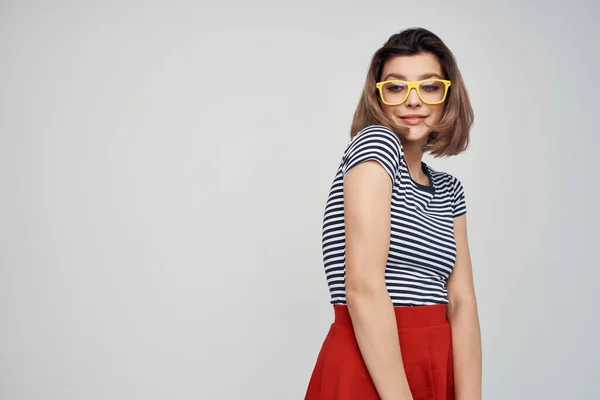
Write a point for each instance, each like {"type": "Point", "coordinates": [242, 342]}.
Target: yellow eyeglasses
{"type": "Point", "coordinates": [430, 91]}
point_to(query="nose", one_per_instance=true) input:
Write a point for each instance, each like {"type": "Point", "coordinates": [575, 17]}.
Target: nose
{"type": "Point", "coordinates": [413, 99]}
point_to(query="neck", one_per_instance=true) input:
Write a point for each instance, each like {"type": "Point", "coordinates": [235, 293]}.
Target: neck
{"type": "Point", "coordinates": [413, 155]}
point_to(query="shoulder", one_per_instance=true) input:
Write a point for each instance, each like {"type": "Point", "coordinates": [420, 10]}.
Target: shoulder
{"type": "Point", "coordinates": [451, 189]}
{"type": "Point", "coordinates": [446, 182]}
{"type": "Point", "coordinates": [376, 135]}
{"type": "Point", "coordinates": [376, 143]}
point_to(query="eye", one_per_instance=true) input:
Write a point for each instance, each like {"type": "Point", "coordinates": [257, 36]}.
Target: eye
{"type": "Point", "coordinates": [431, 87]}
{"type": "Point", "coordinates": [394, 87]}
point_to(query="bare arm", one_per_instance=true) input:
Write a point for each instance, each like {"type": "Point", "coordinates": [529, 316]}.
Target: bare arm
{"type": "Point", "coordinates": [367, 202]}
{"type": "Point", "coordinates": [462, 314]}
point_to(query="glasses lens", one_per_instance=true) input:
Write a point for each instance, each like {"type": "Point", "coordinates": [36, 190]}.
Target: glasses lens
{"type": "Point", "coordinates": [432, 91]}
{"type": "Point", "coordinates": [394, 92]}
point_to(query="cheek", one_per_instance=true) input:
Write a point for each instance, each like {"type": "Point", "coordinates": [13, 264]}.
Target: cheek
{"type": "Point", "coordinates": [437, 111]}
{"type": "Point", "coordinates": [388, 111]}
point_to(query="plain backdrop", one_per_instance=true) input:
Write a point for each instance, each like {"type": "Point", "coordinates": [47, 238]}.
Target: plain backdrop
{"type": "Point", "coordinates": [164, 168]}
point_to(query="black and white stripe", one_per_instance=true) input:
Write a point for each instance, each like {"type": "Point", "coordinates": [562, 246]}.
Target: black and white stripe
{"type": "Point", "coordinates": [422, 249]}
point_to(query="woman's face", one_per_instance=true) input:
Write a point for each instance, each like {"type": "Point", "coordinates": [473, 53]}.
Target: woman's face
{"type": "Point", "coordinates": [413, 68]}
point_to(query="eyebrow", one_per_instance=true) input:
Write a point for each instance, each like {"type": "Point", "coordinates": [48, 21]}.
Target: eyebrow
{"type": "Point", "coordinates": [403, 78]}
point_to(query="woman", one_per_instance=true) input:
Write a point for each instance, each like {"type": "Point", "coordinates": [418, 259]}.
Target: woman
{"type": "Point", "coordinates": [395, 244]}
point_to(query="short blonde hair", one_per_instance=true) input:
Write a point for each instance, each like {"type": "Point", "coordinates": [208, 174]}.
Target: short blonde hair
{"type": "Point", "coordinates": [451, 135]}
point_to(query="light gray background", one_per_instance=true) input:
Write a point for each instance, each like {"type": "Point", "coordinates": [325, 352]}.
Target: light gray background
{"type": "Point", "coordinates": [164, 170]}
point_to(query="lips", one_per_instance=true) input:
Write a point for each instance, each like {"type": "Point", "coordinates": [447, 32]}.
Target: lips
{"type": "Point", "coordinates": [412, 119]}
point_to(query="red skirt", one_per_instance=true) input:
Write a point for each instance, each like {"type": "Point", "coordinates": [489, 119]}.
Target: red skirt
{"type": "Point", "coordinates": [426, 345]}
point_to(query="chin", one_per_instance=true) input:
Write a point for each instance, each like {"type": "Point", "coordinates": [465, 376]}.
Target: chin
{"type": "Point", "coordinates": [416, 133]}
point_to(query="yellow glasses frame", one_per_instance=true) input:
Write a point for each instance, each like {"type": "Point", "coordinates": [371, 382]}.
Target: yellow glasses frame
{"type": "Point", "coordinates": [415, 85]}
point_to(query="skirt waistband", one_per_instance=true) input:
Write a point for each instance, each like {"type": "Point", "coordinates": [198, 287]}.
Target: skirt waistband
{"type": "Point", "coordinates": [406, 316]}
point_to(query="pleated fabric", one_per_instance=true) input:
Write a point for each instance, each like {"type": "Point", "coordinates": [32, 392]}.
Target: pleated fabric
{"type": "Point", "coordinates": [426, 345]}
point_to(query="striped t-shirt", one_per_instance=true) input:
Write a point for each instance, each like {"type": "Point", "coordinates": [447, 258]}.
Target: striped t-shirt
{"type": "Point", "coordinates": [422, 248]}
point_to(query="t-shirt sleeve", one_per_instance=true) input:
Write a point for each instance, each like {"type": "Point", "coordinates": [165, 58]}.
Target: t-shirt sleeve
{"type": "Point", "coordinates": [459, 206]}
{"type": "Point", "coordinates": [374, 143]}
